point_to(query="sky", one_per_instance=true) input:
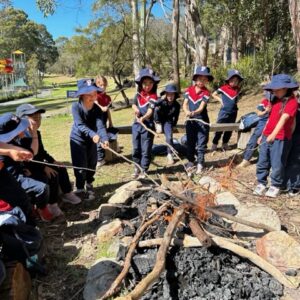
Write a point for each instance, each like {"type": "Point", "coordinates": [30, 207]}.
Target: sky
{"type": "Point", "coordinates": [69, 15]}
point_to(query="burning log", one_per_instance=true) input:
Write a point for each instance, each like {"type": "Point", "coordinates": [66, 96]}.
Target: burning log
{"type": "Point", "coordinates": [199, 233]}
{"type": "Point", "coordinates": [159, 266]}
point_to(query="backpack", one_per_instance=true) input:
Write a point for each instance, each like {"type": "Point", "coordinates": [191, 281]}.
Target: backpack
{"type": "Point", "coordinates": [248, 121]}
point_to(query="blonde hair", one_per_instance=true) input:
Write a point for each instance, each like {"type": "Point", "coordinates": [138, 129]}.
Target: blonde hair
{"type": "Point", "coordinates": [101, 79]}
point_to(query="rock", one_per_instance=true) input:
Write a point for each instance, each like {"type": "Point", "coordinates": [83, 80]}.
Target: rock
{"type": "Point", "coordinates": [279, 249]}
{"type": "Point", "coordinates": [125, 192]}
{"type": "Point", "coordinates": [210, 184]}
{"type": "Point", "coordinates": [107, 211]}
{"type": "Point", "coordinates": [108, 231]}
{"type": "Point", "coordinates": [227, 198]}
{"type": "Point", "coordinates": [257, 213]}
{"type": "Point", "coordinates": [100, 277]}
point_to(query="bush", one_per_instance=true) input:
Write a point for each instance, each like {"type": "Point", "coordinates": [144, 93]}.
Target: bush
{"type": "Point", "coordinates": [14, 96]}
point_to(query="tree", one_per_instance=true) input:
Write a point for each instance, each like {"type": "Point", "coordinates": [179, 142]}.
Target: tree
{"type": "Point", "coordinates": [33, 74]}
{"type": "Point", "coordinates": [175, 58]}
{"type": "Point", "coordinates": [135, 37]}
{"type": "Point", "coordinates": [294, 8]}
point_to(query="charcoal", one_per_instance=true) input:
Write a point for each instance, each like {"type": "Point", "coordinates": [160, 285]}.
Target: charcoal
{"type": "Point", "coordinates": [128, 230]}
{"type": "Point", "coordinates": [144, 263]}
{"type": "Point", "coordinates": [226, 208]}
{"type": "Point", "coordinates": [126, 213]}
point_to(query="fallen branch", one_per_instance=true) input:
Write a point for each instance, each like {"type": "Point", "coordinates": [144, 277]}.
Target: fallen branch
{"type": "Point", "coordinates": [160, 258]}
{"type": "Point", "coordinates": [199, 233]}
{"type": "Point", "coordinates": [115, 287]}
{"type": "Point", "coordinates": [257, 260]}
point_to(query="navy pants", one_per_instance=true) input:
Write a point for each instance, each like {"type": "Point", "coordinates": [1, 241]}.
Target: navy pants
{"type": "Point", "coordinates": [197, 139]}
{"type": "Point", "coordinates": [37, 190]}
{"type": "Point", "coordinates": [142, 142]}
{"type": "Point", "coordinates": [272, 156]}
{"type": "Point", "coordinates": [12, 192]}
{"type": "Point", "coordinates": [252, 144]}
{"type": "Point", "coordinates": [224, 117]}
{"type": "Point", "coordinates": [292, 173]}
{"type": "Point", "coordinates": [83, 155]}
{"type": "Point", "coordinates": [168, 131]}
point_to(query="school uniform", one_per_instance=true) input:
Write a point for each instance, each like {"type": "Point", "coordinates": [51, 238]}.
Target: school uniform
{"type": "Point", "coordinates": [252, 144]}
{"type": "Point", "coordinates": [87, 124]}
{"type": "Point", "coordinates": [166, 113]}
{"type": "Point", "coordinates": [142, 140]}
{"type": "Point", "coordinates": [104, 100]}
{"type": "Point", "coordinates": [197, 132]}
{"type": "Point", "coordinates": [228, 111]}
{"type": "Point", "coordinates": [292, 173]}
{"type": "Point", "coordinates": [274, 155]}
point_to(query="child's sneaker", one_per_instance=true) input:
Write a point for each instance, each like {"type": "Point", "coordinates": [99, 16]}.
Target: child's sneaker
{"type": "Point", "coordinates": [101, 163]}
{"type": "Point", "coordinates": [55, 210]}
{"type": "Point", "coordinates": [273, 192]}
{"type": "Point", "coordinates": [245, 163]}
{"type": "Point", "coordinates": [199, 169]}
{"type": "Point", "coordinates": [294, 192]}
{"type": "Point", "coordinates": [71, 198]}
{"type": "Point", "coordinates": [225, 146]}
{"type": "Point", "coordinates": [90, 191]}
{"type": "Point", "coordinates": [260, 189]}
{"type": "Point", "coordinates": [142, 175]}
{"type": "Point", "coordinates": [135, 173]}
{"type": "Point", "coordinates": [214, 147]}
{"type": "Point", "coordinates": [158, 128]}
{"type": "Point", "coordinates": [170, 159]}
{"type": "Point", "coordinates": [45, 214]}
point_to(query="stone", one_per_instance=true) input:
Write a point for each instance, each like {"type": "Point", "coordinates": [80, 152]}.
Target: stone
{"type": "Point", "coordinates": [106, 211]}
{"type": "Point", "coordinates": [125, 192]}
{"type": "Point", "coordinates": [257, 213]}
{"type": "Point", "coordinates": [107, 231]}
{"type": "Point", "coordinates": [279, 249]}
{"type": "Point", "coordinates": [227, 198]}
{"type": "Point", "coordinates": [100, 277]}
{"type": "Point", "coordinates": [210, 184]}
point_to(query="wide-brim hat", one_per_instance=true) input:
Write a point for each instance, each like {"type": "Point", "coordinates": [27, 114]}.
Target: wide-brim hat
{"type": "Point", "coordinates": [147, 73]}
{"type": "Point", "coordinates": [169, 88]}
{"type": "Point", "coordinates": [202, 71]}
{"type": "Point", "coordinates": [86, 86]}
{"type": "Point", "coordinates": [28, 109]}
{"type": "Point", "coordinates": [281, 81]}
{"type": "Point", "coordinates": [232, 73]}
{"type": "Point", "coordinates": [11, 126]}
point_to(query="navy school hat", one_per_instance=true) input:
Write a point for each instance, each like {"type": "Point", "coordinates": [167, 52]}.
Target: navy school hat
{"type": "Point", "coordinates": [11, 126]}
{"type": "Point", "coordinates": [146, 72]}
{"type": "Point", "coordinates": [232, 73]}
{"type": "Point", "coordinates": [203, 71]}
{"type": "Point", "coordinates": [28, 109]}
{"type": "Point", "coordinates": [281, 81]}
{"type": "Point", "coordinates": [86, 86]}
{"type": "Point", "coordinates": [169, 88]}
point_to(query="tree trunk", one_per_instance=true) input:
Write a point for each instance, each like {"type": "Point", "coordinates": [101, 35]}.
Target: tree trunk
{"type": "Point", "coordinates": [224, 37]}
{"type": "Point", "coordinates": [143, 34]}
{"type": "Point", "coordinates": [200, 39]}
{"type": "Point", "coordinates": [234, 47]}
{"type": "Point", "coordinates": [175, 58]}
{"type": "Point", "coordinates": [294, 7]}
{"type": "Point", "coordinates": [135, 37]}
{"type": "Point", "coordinates": [187, 51]}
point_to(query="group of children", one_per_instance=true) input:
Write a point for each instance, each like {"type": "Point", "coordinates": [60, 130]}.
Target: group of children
{"type": "Point", "coordinates": [40, 179]}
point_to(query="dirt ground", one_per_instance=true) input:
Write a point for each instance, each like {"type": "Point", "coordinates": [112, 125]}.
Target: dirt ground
{"type": "Point", "coordinates": [71, 247]}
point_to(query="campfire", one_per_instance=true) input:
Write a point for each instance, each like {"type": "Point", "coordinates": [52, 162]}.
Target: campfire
{"type": "Point", "coordinates": [181, 245]}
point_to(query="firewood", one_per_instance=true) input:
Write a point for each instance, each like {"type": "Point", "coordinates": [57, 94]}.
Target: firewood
{"type": "Point", "coordinates": [199, 233]}
{"type": "Point", "coordinates": [159, 266]}
{"type": "Point", "coordinates": [257, 260]}
{"type": "Point", "coordinates": [116, 285]}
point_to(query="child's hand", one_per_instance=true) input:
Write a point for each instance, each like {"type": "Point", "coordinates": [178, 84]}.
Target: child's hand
{"type": "Point", "coordinates": [27, 172]}
{"type": "Point", "coordinates": [50, 172]}
{"type": "Point", "coordinates": [271, 138]}
{"type": "Point", "coordinates": [259, 140]}
{"type": "Point", "coordinates": [96, 139]}
{"type": "Point", "coordinates": [268, 108]}
{"type": "Point", "coordinates": [188, 114]}
{"type": "Point", "coordinates": [137, 113]}
{"type": "Point", "coordinates": [32, 126]}
{"type": "Point", "coordinates": [20, 154]}
{"type": "Point", "coordinates": [105, 145]}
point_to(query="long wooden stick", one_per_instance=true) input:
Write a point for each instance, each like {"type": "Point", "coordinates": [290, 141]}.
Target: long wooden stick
{"type": "Point", "coordinates": [115, 287]}
{"type": "Point", "coordinates": [159, 266]}
{"type": "Point", "coordinates": [199, 233]}
{"type": "Point", "coordinates": [257, 260]}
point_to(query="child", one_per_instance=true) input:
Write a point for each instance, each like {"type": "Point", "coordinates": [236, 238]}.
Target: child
{"type": "Point", "coordinates": [230, 93]}
{"type": "Point", "coordinates": [263, 110]}
{"type": "Point", "coordinates": [195, 102]}
{"type": "Point", "coordinates": [293, 162]}
{"type": "Point", "coordinates": [37, 191]}
{"type": "Point", "coordinates": [166, 115]}
{"type": "Point", "coordinates": [143, 107]}
{"type": "Point", "coordinates": [56, 177]}
{"type": "Point", "coordinates": [104, 102]}
{"type": "Point", "coordinates": [87, 131]}
{"type": "Point", "coordinates": [277, 134]}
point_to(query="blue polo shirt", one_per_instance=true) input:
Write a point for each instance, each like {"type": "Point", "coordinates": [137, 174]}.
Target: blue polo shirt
{"type": "Point", "coordinates": [230, 97]}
